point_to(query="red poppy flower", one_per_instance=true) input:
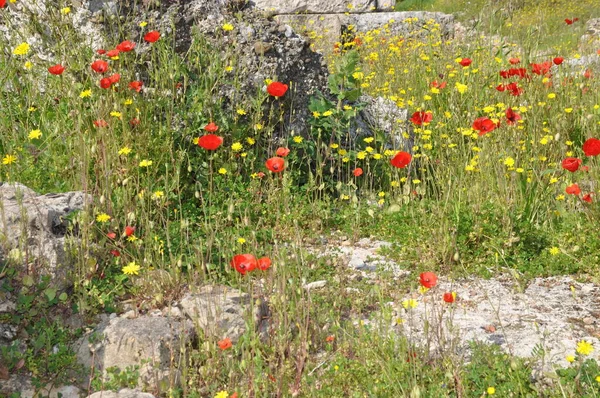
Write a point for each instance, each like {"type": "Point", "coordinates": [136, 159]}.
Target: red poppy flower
{"type": "Point", "coordinates": [100, 66]}
{"type": "Point", "coordinates": [587, 197]}
{"type": "Point", "coordinates": [111, 235]}
{"type": "Point", "coordinates": [504, 74]}
{"type": "Point", "coordinates": [588, 74]}
{"type": "Point", "coordinates": [541, 69]}
{"type": "Point", "coordinates": [264, 263]}
{"type": "Point", "coordinates": [136, 85]}
{"type": "Point", "coordinates": [100, 51]}
{"type": "Point", "coordinates": [514, 61]}
{"type": "Point", "coordinates": [113, 53]}
{"type": "Point", "coordinates": [573, 189]}
{"type": "Point", "coordinates": [357, 172]}
{"type": "Point", "coordinates": [514, 89]}
{"type": "Point", "coordinates": [512, 116]}
{"type": "Point", "coordinates": [210, 142]}
{"type": "Point", "coordinates": [211, 127]}
{"type": "Point", "coordinates": [501, 87]}
{"type": "Point", "coordinates": [401, 160]}
{"type": "Point", "coordinates": [520, 72]}
{"type": "Point", "coordinates": [100, 123]}
{"type": "Point", "coordinates": [570, 21]}
{"type": "Point", "coordinates": [435, 84]}
{"type": "Point", "coordinates": [225, 344]}
{"type": "Point", "coordinates": [115, 252]}
{"type": "Point", "coordinates": [114, 78]}
{"type": "Point", "coordinates": [105, 82]}
{"type": "Point", "coordinates": [466, 61]}
{"type": "Point", "coordinates": [275, 164]}
{"type": "Point", "coordinates": [484, 125]}
{"type": "Point", "coordinates": [277, 89]}
{"type": "Point", "coordinates": [558, 60]}
{"type": "Point", "coordinates": [129, 230]}
{"type": "Point", "coordinates": [428, 279]}
{"type": "Point", "coordinates": [125, 46]}
{"type": "Point", "coordinates": [283, 152]}
{"type": "Point", "coordinates": [591, 147]}
{"type": "Point", "coordinates": [330, 339]}
{"type": "Point", "coordinates": [57, 69]}
{"type": "Point", "coordinates": [418, 118]}
{"type": "Point", "coordinates": [2, 3]}
{"type": "Point", "coordinates": [571, 164]}
{"type": "Point", "coordinates": [244, 263]}
{"type": "Point", "coordinates": [134, 122]}
{"type": "Point", "coordinates": [152, 36]}
{"type": "Point", "coordinates": [449, 297]}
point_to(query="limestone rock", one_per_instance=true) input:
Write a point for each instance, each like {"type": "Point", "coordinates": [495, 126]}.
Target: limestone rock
{"type": "Point", "coordinates": [124, 393]}
{"type": "Point", "coordinates": [403, 23]}
{"type": "Point", "coordinates": [221, 311]}
{"type": "Point", "coordinates": [382, 115]}
{"type": "Point", "coordinates": [35, 227]}
{"type": "Point", "coordinates": [314, 6]}
{"type": "Point", "coordinates": [124, 342]}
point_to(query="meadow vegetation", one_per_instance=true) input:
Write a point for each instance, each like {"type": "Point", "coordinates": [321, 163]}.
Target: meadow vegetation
{"type": "Point", "coordinates": [502, 177]}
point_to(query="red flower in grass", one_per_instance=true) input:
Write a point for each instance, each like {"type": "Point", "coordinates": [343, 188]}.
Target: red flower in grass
{"type": "Point", "coordinates": [591, 147]}
{"type": "Point", "coordinates": [401, 160]}
{"type": "Point", "coordinates": [125, 46]}
{"type": "Point", "coordinates": [152, 36]}
{"type": "Point", "coordinates": [2, 3]}
{"type": "Point", "coordinates": [129, 230]}
{"type": "Point", "coordinates": [501, 87]}
{"type": "Point", "coordinates": [541, 69]}
{"type": "Point", "coordinates": [211, 128]}
{"type": "Point", "coordinates": [558, 60]}
{"type": "Point", "coordinates": [100, 51]}
{"type": "Point", "coordinates": [571, 21]}
{"type": "Point", "coordinates": [357, 172]}
{"type": "Point", "coordinates": [210, 142]}
{"type": "Point", "coordinates": [136, 85]}
{"type": "Point", "coordinates": [435, 84]}
{"type": "Point", "coordinates": [428, 279]}
{"type": "Point", "coordinates": [111, 235]}
{"type": "Point", "coordinates": [114, 78]}
{"type": "Point", "coordinates": [105, 82]}
{"type": "Point", "coordinates": [115, 252]}
{"type": "Point", "coordinates": [511, 116]}
{"type": "Point", "coordinates": [483, 125]}
{"type": "Point", "coordinates": [100, 123]}
{"type": "Point", "coordinates": [449, 297]}
{"type": "Point", "coordinates": [244, 263]}
{"type": "Point", "coordinates": [134, 122]}
{"type": "Point", "coordinates": [466, 62]}
{"type": "Point", "coordinates": [275, 164]}
{"type": "Point", "coordinates": [283, 152]}
{"type": "Point", "coordinates": [514, 89]}
{"type": "Point", "coordinates": [225, 344]}
{"type": "Point", "coordinates": [264, 263]}
{"type": "Point", "coordinates": [519, 72]}
{"type": "Point", "coordinates": [587, 197]}
{"type": "Point", "coordinates": [418, 118]}
{"type": "Point", "coordinates": [514, 61]}
{"type": "Point", "coordinates": [57, 69]}
{"type": "Point", "coordinates": [571, 164]}
{"type": "Point", "coordinates": [99, 66]}
{"type": "Point", "coordinates": [588, 74]}
{"type": "Point", "coordinates": [113, 53]}
{"type": "Point", "coordinates": [277, 89]}
{"type": "Point", "coordinates": [573, 189]}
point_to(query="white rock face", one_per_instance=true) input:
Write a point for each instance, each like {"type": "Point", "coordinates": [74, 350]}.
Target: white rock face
{"type": "Point", "coordinates": [315, 6]}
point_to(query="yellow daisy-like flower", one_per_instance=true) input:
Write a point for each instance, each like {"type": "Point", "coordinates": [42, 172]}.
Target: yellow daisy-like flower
{"type": "Point", "coordinates": [85, 94]}
{"type": "Point", "coordinates": [125, 151]}
{"type": "Point", "coordinates": [128, 101]}
{"type": "Point", "coordinates": [236, 147]}
{"type": "Point", "coordinates": [116, 114]}
{"type": "Point", "coordinates": [241, 241]}
{"type": "Point", "coordinates": [102, 217]}
{"type": "Point", "coordinates": [223, 171]}
{"type": "Point", "coordinates": [131, 269]}
{"type": "Point", "coordinates": [34, 134]}
{"type": "Point", "coordinates": [570, 358]}
{"type": "Point", "coordinates": [297, 139]}
{"type": "Point", "coordinates": [222, 394]}
{"type": "Point", "coordinates": [250, 141]}
{"type": "Point", "coordinates": [28, 65]}
{"type": "Point", "coordinates": [157, 195]}
{"type": "Point", "coordinates": [241, 112]}
{"type": "Point", "coordinates": [491, 390]}
{"type": "Point", "coordinates": [258, 126]}
{"type": "Point", "coordinates": [551, 96]}
{"type": "Point", "coordinates": [145, 163]}
{"type": "Point", "coordinates": [9, 159]}
{"type": "Point", "coordinates": [143, 24]}
{"type": "Point", "coordinates": [584, 347]}
{"type": "Point", "coordinates": [554, 250]}
{"type": "Point", "coordinates": [21, 49]}
{"type": "Point", "coordinates": [361, 155]}
{"type": "Point", "coordinates": [327, 113]}
{"type": "Point", "coordinates": [65, 10]}
{"type": "Point", "coordinates": [227, 27]}
{"type": "Point", "coordinates": [409, 303]}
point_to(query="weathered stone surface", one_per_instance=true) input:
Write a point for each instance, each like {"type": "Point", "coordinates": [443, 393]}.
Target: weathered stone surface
{"type": "Point", "coordinates": [382, 115]}
{"type": "Point", "coordinates": [591, 39]}
{"type": "Point", "coordinates": [322, 30]}
{"type": "Point", "coordinates": [21, 384]}
{"type": "Point", "coordinates": [402, 23]}
{"type": "Point", "coordinates": [124, 342]}
{"type": "Point", "coordinates": [314, 6]}
{"type": "Point", "coordinates": [34, 226]}
{"type": "Point", "coordinates": [124, 393]}
{"type": "Point", "coordinates": [221, 311]}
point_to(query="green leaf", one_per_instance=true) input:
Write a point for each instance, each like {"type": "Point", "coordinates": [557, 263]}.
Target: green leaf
{"type": "Point", "coordinates": [63, 297]}
{"type": "Point", "coordinates": [28, 280]}
{"type": "Point", "coordinates": [50, 293]}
